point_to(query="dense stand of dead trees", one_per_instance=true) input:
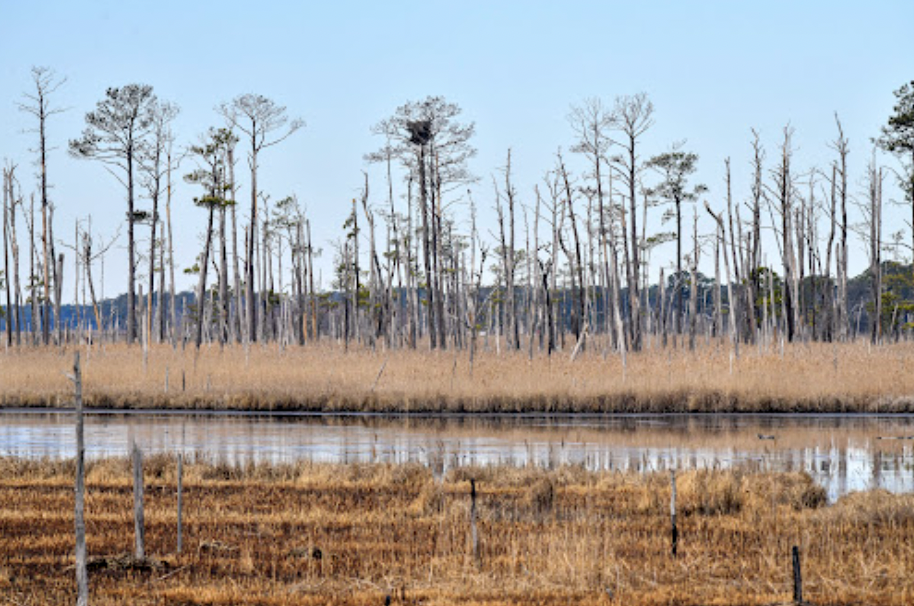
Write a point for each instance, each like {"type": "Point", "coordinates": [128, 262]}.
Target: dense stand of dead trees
{"type": "Point", "coordinates": [571, 267]}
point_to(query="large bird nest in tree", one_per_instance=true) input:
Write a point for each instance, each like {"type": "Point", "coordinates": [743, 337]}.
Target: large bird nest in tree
{"type": "Point", "coordinates": [420, 131]}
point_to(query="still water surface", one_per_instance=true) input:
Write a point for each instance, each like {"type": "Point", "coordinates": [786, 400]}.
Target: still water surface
{"type": "Point", "coordinates": [842, 452]}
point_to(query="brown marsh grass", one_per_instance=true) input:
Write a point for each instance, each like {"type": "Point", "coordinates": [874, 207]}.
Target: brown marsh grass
{"type": "Point", "coordinates": [353, 534]}
{"type": "Point", "coordinates": [325, 377]}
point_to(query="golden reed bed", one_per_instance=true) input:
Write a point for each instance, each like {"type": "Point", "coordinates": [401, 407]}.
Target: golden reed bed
{"type": "Point", "coordinates": [802, 378]}
{"type": "Point", "coordinates": [355, 534]}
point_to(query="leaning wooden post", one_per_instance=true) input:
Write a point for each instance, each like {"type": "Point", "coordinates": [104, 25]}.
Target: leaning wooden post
{"type": "Point", "coordinates": [180, 501]}
{"type": "Point", "coordinates": [474, 536]}
{"type": "Point", "coordinates": [675, 529]}
{"type": "Point", "coordinates": [82, 575]}
{"type": "Point", "coordinates": [797, 577]}
{"type": "Point", "coordinates": [139, 524]}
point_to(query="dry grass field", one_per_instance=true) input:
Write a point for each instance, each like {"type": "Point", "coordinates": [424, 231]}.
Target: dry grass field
{"type": "Point", "coordinates": [354, 534]}
{"type": "Point", "coordinates": [804, 377]}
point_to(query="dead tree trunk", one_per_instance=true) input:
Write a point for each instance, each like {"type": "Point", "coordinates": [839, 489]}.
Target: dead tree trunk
{"type": "Point", "coordinates": [10, 318]}
{"type": "Point", "coordinates": [875, 237]}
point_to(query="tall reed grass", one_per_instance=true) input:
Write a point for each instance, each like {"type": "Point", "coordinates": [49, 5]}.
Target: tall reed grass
{"type": "Point", "coordinates": [804, 378]}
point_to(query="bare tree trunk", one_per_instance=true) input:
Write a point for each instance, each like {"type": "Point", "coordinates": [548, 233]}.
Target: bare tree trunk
{"type": "Point", "coordinates": [693, 278]}
{"type": "Point", "coordinates": [224, 303]}
{"type": "Point", "coordinates": [875, 220]}
{"type": "Point", "coordinates": [153, 224]}
{"type": "Point", "coordinates": [236, 320]}
{"type": "Point", "coordinates": [14, 246]}
{"type": "Point", "coordinates": [718, 309]}
{"type": "Point", "coordinates": [47, 260]}
{"type": "Point", "coordinates": [58, 297]}
{"type": "Point", "coordinates": [830, 326]}
{"type": "Point", "coordinates": [507, 256]}
{"type": "Point", "coordinates": [34, 289]}
{"type": "Point", "coordinates": [577, 272]}
{"type": "Point", "coordinates": [171, 259]}
{"type": "Point", "coordinates": [201, 285]}
{"type": "Point", "coordinates": [10, 317]}
{"type": "Point", "coordinates": [252, 240]}
{"type": "Point", "coordinates": [311, 294]}
{"type": "Point", "coordinates": [841, 146]}
{"type": "Point", "coordinates": [663, 322]}
{"type": "Point", "coordinates": [755, 248]}
{"type": "Point", "coordinates": [733, 301]}
{"type": "Point", "coordinates": [510, 256]}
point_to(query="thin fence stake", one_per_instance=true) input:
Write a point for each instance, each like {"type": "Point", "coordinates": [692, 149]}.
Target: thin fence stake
{"type": "Point", "coordinates": [474, 535]}
{"type": "Point", "coordinates": [797, 577]}
{"type": "Point", "coordinates": [675, 530]}
{"type": "Point", "coordinates": [180, 501]}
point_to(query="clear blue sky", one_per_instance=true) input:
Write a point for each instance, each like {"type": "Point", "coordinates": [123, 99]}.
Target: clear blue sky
{"type": "Point", "coordinates": [712, 69]}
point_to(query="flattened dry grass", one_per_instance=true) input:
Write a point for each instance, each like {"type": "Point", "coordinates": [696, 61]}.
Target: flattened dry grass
{"type": "Point", "coordinates": [806, 378]}
{"type": "Point", "coordinates": [352, 534]}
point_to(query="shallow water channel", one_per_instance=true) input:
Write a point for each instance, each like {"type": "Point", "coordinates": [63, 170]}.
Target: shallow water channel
{"type": "Point", "coordinates": [842, 452]}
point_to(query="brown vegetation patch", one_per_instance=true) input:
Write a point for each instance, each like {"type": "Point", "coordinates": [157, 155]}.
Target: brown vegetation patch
{"type": "Point", "coordinates": [310, 533]}
{"type": "Point", "coordinates": [814, 377]}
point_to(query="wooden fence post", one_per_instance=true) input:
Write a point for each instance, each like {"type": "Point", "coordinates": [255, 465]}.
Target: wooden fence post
{"type": "Point", "coordinates": [675, 529]}
{"type": "Point", "coordinates": [139, 524]}
{"type": "Point", "coordinates": [180, 501]}
{"type": "Point", "coordinates": [797, 577]}
{"type": "Point", "coordinates": [82, 574]}
{"type": "Point", "coordinates": [474, 536]}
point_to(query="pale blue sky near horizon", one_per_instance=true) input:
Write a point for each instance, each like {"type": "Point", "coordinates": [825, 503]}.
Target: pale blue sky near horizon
{"type": "Point", "coordinates": [713, 70]}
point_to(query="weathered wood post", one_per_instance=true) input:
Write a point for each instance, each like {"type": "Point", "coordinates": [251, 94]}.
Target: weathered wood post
{"type": "Point", "coordinates": [82, 575]}
{"type": "Point", "coordinates": [797, 577]}
{"type": "Point", "coordinates": [180, 501]}
{"type": "Point", "coordinates": [474, 535]}
{"type": "Point", "coordinates": [675, 530]}
{"type": "Point", "coordinates": [139, 523]}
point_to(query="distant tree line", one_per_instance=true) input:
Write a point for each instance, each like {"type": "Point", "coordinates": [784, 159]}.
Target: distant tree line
{"type": "Point", "coordinates": [566, 266]}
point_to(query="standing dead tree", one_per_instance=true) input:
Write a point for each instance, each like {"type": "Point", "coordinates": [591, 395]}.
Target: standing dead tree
{"type": "Point", "coordinates": [592, 123]}
{"type": "Point", "coordinates": [508, 256]}
{"type": "Point", "coordinates": [839, 180]}
{"type": "Point", "coordinates": [38, 104]}
{"type": "Point", "coordinates": [872, 235]}
{"type": "Point", "coordinates": [10, 247]}
{"type": "Point", "coordinates": [156, 166]}
{"type": "Point", "coordinates": [732, 300]}
{"type": "Point", "coordinates": [632, 117]}
{"type": "Point", "coordinates": [783, 194]}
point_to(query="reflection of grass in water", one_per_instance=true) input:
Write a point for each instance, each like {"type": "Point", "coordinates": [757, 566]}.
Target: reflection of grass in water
{"type": "Point", "coordinates": [324, 377]}
{"type": "Point", "coordinates": [351, 534]}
